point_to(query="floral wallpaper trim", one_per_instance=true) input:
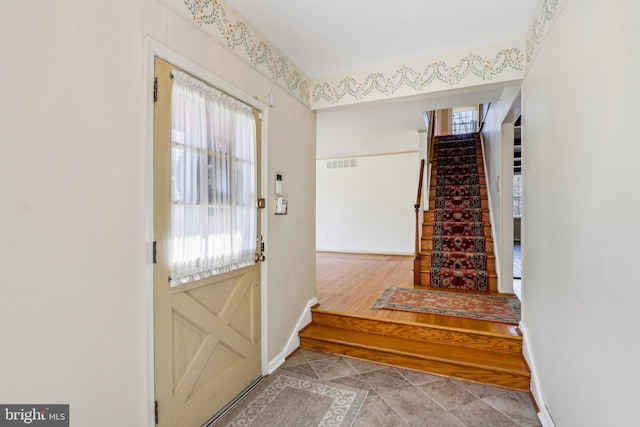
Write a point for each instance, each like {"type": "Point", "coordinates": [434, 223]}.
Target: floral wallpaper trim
{"type": "Point", "coordinates": [240, 38]}
{"type": "Point", "coordinates": [547, 13]}
{"type": "Point", "coordinates": [418, 80]}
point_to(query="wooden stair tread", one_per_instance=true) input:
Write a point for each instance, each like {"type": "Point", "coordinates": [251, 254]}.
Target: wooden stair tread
{"type": "Point", "coordinates": [444, 353]}
{"type": "Point", "coordinates": [487, 256]}
{"type": "Point", "coordinates": [428, 271]}
{"type": "Point", "coordinates": [445, 323]}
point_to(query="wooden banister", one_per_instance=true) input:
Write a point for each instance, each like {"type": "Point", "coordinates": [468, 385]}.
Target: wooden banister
{"type": "Point", "coordinates": [417, 206]}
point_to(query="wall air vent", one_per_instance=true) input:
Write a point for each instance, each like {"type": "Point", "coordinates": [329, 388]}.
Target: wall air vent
{"type": "Point", "coordinates": [342, 163]}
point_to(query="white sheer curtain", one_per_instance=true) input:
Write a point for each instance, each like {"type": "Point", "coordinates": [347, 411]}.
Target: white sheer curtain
{"type": "Point", "coordinates": [213, 182]}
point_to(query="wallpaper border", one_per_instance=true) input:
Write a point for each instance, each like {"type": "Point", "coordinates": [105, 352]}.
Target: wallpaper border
{"type": "Point", "coordinates": [546, 15]}
{"type": "Point", "coordinates": [220, 21]}
{"type": "Point", "coordinates": [224, 24]}
{"type": "Point", "coordinates": [418, 78]}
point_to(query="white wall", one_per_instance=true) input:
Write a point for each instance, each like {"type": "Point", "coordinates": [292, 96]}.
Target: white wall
{"type": "Point", "coordinates": [366, 130]}
{"type": "Point", "coordinates": [498, 144]}
{"type": "Point", "coordinates": [580, 228]}
{"type": "Point", "coordinates": [368, 209]}
{"type": "Point", "coordinates": [73, 246]}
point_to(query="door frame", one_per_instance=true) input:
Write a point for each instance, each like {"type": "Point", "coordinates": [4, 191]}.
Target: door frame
{"type": "Point", "coordinates": [506, 189]}
{"type": "Point", "coordinates": [153, 49]}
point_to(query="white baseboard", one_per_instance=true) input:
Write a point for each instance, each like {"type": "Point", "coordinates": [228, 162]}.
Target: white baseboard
{"type": "Point", "coordinates": [294, 341]}
{"type": "Point", "coordinates": [543, 415]}
{"type": "Point", "coordinates": [363, 252]}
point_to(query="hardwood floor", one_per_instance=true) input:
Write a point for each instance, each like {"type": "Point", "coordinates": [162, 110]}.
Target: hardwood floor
{"type": "Point", "coordinates": [343, 323]}
{"type": "Point", "coordinates": [517, 260]}
{"type": "Point", "coordinates": [351, 283]}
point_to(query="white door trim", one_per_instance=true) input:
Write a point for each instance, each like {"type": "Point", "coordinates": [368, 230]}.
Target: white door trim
{"type": "Point", "coordinates": [153, 48]}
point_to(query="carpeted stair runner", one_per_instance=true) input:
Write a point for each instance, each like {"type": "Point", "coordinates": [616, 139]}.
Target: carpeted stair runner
{"type": "Point", "coordinates": [458, 253]}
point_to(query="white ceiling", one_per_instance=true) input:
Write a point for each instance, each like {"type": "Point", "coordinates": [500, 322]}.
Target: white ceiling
{"type": "Point", "coordinates": [336, 36]}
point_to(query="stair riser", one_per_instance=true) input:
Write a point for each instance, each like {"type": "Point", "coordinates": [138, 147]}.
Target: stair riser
{"type": "Point", "coordinates": [421, 333]}
{"type": "Point", "coordinates": [426, 246]}
{"type": "Point", "coordinates": [434, 172]}
{"type": "Point", "coordinates": [433, 182]}
{"type": "Point", "coordinates": [420, 363]}
{"type": "Point", "coordinates": [448, 159]}
{"type": "Point", "coordinates": [430, 215]}
{"type": "Point", "coordinates": [484, 203]}
{"type": "Point", "coordinates": [432, 193]}
{"type": "Point", "coordinates": [425, 264]}
{"type": "Point", "coordinates": [425, 280]}
{"type": "Point", "coordinates": [427, 231]}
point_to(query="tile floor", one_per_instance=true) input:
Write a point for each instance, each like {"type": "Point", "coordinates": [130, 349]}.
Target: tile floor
{"type": "Point", "coordinates": [400, 397]}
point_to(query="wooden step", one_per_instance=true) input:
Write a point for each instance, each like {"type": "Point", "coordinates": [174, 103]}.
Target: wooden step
{"type": "Point", "coordinates": [477, 158]}
{"type": "Point", "coordinates": [433, 182]}
{"type": "Point", "coordinates": [477, 151]}
{"type": "Point", "coordinates": [427, 230]}
{"type": "Point", "coordinates": [426, 246]}
{"type": "Point", "coordinates": [484, 203]}
{"type": "Point", "coordinates": [501, 369]}
{"type": "Point", "coordinates": [507, 341]}
{"type": "Point", "coordinates": [482, 192]}
{"type": "Point", "coordinates": [429, 216]}
{"type": "Point", "coordinates": [480, 171]}
{"type": "Point", "coordinates": [425, 262]}
{"type": "Point", "coordinates": [425, 279]}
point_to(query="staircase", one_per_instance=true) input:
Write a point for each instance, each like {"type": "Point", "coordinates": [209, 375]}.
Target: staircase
{"type": "Point", "coordinates": [456, 249]}
{"type": "Point", "coordinates": [456, 252]}
{"type": "Point", "coordinates": [489, 355]}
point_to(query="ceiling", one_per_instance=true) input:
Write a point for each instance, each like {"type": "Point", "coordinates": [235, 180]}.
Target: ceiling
{"type": "Point", "coordinates": [337, 36]}
{"type": "Point", "coordinates": [329, 37]}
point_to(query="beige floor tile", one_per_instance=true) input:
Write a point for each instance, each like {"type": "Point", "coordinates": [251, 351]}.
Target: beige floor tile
{"type": "Point", "coordinates": [411, 404]}
{"type": "Point", "coordinates": [480, 414]}
{"type": "Point", "coordinates": [375, 412]}
{"type": "Point", "coordinates": [418, 378]}
{"type": "Point", "coordinates": [479, 390]}
{"type": "Point", "coordinates": [516, 405]}
{"type": "Point", "coordinates": [384, 380]}
{"type": "Point", "coordinates": [335, 367]}
{"type": "Point", "coordinates": [448, 394]}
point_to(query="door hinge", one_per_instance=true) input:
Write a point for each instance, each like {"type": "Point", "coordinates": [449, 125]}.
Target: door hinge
{"type": "Point", "coordinates": [155, 252]}
{"type": "Point", "coordinates": [155, 89]}
{"type": "Point", "coordinates": [156, 411]}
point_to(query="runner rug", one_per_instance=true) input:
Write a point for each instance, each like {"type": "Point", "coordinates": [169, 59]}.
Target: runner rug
{"type": "Point", "coordinates": [504, 309]}
{"type": "Point", "coordinates": [458, 255]}
{"type": "Point", "coordinates": [289, 399]}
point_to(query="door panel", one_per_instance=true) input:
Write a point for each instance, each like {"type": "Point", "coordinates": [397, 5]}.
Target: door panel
{"type": "Point", "coordinates": [207, 333]}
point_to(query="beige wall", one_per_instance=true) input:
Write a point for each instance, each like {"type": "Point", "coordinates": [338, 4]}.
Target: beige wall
{"type": "Point", "coordinates": [579, 228]}
{"type": "Point", "coordinates": [73, 246]}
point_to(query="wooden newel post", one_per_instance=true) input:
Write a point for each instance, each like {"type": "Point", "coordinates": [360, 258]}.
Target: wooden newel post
{"type": "Point", "coordinates": [416, 260]}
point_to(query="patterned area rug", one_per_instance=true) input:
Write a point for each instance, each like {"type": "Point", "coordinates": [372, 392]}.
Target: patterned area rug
{"type": "Point", "coordinates": [458, 259]}
{"type": "Point", "coordinates": [295, 400]}
{"type": "Point", "coordinates": [481, 307]}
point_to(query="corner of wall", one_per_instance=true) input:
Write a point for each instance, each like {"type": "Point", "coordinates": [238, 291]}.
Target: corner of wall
{"type": "Point", "coordinates": [294, 341]}
{"type": "Point", "coordinates": [496, 248]}
{"type": "Point", "coordinates": [527, 350]}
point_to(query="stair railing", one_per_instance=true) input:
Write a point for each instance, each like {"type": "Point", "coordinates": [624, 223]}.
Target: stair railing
{"type": "Point", "coordinates": [418, 205]}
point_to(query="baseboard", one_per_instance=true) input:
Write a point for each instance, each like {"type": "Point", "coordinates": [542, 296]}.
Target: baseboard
{"type": "Point", "coordinates": [364, 252]}
{"type": "Point", "coordinates": [543, 415]}
{"type": "Point", "coordinates": [294, 341]}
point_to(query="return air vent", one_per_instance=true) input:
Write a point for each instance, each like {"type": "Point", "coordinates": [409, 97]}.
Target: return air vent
{"type": "Point", "coordinates": [342, 163]}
